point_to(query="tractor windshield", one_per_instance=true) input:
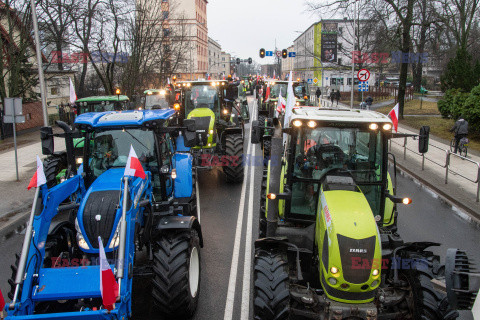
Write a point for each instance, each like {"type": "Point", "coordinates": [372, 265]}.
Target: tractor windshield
{"type": "Point", "coordinates": [156, 101]}
{"type": "Point", "coordinates": [202, 96]}
{"type": "Point", "coordinates": [110, 149]}
{"type": "Point", "coordinates": [357, 151]}
{"type": "Point", "coordinates": [277, 88]}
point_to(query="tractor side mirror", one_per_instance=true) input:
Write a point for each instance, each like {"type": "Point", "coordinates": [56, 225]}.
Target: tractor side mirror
{"type": "Point", "coordinates": [424, 139]}
{"type": "Point", "coordinates": [189, 124]}
{"type": "Point", "coordinates": [256, 135]}
{"type": "Point", "coordinates": [46, 136]}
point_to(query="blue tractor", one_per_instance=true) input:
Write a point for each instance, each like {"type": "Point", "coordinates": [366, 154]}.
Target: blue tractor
{"type": "Point", "coordinates": [150, 227]}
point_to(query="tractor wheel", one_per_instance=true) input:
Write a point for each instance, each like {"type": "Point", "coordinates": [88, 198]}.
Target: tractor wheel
{"type": "Point", "coordinates": [52, 167]}
{"type": "Point", "coordinates": [176, 279]}
{"type": "Point", "coordinates": [272, 288]}
{"type": "Point", "coordinates": [425, 302]}
{"type": "Point", "coordinates": [267, 148]}
{"type": "Point", "coordinates": [262, 225]}
{"type": "Point", "coordinates": [11, 281]}
{"type": "Point", "coordinates": [234, 152]}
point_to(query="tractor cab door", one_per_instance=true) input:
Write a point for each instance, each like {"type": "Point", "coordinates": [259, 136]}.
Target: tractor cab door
{"type": "Point", "coordinates": [165, 153]}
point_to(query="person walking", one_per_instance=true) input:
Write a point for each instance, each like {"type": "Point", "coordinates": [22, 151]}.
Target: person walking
{"type": "Point", "coordinates": [460, 129]}
{"type": "Point", "coordinates": [337, 96]}
{"type": "Point", "coordinates": [318, 93]}
{"type": "Point", "coordinates": [332, 96]}
{"type": "Point", "coordinates": [369, 102]}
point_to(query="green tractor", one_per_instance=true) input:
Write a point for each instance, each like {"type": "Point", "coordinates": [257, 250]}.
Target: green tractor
{"type": "Point", "coordinates": [159, 98]}
{"type": "Point", "coordinates": [220, 126]}
{"type": "Point", "coordinates": [101, 104]}
{"type": "Point", "coordinates": [329, 247]}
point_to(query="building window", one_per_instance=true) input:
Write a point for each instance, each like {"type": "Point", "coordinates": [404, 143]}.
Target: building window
{"type": "Point", "coordinates": [340, 61]}
{"type": "Point", "coordinates": [166, 32]}
{"type": "Point", "coordinates": [165, 14]}
{"type": "Point", "coordinates": [54, 91]}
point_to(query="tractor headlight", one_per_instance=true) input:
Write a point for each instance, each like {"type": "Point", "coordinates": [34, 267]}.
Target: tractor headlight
{"type": "Point", "coordinates": [211, 131]}
{"type": "Point", "coordinates": [79, 160]}
{"type": "Point", "coordinates": [332, 281]}
{"type": "Point", "coordinates": [225, 111]}
{"type": "Point", "coordinates": [374, 284]}
{"type": "Point", "coordinates": [116, 238]}
{"type": "Point", "coordinates": [80, 239]}
{"type": "Point", "coordinates": [297, 123]}
{"type": "Point", "coordinates": [373, 126]}
{"type": "Point", "coordinates": [174, 174]}
{"type": "Point", "coordinates": [387, 127]}
{"type": "Point", "coordinates": [312, 124]}
{"type": "Point", "coordinates": [297, 104]}
{"type": "Point", "coordinates": [334, 270]}
{"type": "Point", "coordinates": [375, 272]}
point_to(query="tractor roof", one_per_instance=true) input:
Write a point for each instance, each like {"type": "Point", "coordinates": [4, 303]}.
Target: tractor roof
{"type": "Point", "coordinates": [338, 115]}
{"type": "Point", "coordinates": [201, 82]}
{"type": "Point", "coordinates": [130, 118]}
{"type": "Point", "coordinates": [104, 98]}
{"type": "Point", "coordinates": [153, 91]}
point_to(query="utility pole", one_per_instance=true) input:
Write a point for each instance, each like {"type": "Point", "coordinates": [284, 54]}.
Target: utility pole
{"type": "Point", "coordinates": [43, 89]}
{"type": "Point", "coordinates": [354, 42]}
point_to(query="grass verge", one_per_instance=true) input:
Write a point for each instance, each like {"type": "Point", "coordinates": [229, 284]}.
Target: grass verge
{"type": "Point", "coordinates": [414, 107]}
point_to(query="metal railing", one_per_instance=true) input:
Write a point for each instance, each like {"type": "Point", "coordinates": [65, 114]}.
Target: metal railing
{"type": "Point", "coordinates": [446, 165]}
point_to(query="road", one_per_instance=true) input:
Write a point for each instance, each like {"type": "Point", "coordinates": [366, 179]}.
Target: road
{"type": "Point", "coordinates": [229, 218]}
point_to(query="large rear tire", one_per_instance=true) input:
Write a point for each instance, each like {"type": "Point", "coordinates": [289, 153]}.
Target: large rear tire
{"type": "Point", "coordinates": [234, 153]}
{"type": "Point", "coordinates": [262, 225]}
{"type": "Point", "coordinates": [52, 167]}
{"type": "Point", "coordinates": [272, 288]}
{"type": "Point", "coordinates": [176, 280]}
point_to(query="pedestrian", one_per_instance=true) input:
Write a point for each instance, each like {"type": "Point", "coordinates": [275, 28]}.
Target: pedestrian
{"type": "Point", "coordinates": [337, 96]}
{"type": "Point", "coordinates": [332, 95]}
{"type": "Point", "coordinates": [369, 102]}
{"type": "Point", "coordinates": [460, 129]}
{"type": "Point", "coordinates": [318, 93]}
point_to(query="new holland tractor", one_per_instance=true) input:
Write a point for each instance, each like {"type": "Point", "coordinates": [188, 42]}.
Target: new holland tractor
{"type": "Point", "coordinates": [219, 125]}
{"type": "Point", "coordinates": [150, 226]}
{"type": "Point", "coordinates": [329, 246]}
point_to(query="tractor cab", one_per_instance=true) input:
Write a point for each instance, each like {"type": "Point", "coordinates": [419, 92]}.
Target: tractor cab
{"type": "Point", "coordinates": [159, 98]}
{"type": "Point", "coordinates": [101, 104]}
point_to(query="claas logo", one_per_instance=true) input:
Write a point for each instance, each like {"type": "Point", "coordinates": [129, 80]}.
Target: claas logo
{"type": "Point", "coordinates": [262, 53]}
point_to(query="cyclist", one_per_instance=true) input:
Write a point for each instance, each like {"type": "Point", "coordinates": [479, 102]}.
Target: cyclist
{"type": "Point", "coordinates": [461, 130]}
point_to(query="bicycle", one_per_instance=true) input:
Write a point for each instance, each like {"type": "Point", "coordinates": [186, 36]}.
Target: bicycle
{"type": "Point", "coordinates": [462, 146]}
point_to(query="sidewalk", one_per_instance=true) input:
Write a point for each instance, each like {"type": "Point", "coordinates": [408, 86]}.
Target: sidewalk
{"type": "Point", "coordinates": [461, 190]}
{"type": "Point", "coordinates": [15, 198]}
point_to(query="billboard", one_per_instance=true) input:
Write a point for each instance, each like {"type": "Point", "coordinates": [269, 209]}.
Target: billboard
{"type": "Point", "coordinates": [329, 42]}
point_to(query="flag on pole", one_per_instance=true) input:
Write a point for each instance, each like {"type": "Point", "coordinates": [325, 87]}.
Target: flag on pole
{"type": "Point", "coordinates": [108, 284]}
{"type": "Point", "coordinates": [39, 177]}
{"type": "Point", "coordinates": [134, 167]}
{"type": "Point", "coordinates": [73, 95]}
{"type": "Point", "coordinates": [281, 102]}
{"type": "Point", "coordinates": [2, 302]}
{"type": "Point", "coordinates": [168, 81]}
{"type": "Point", "coordinates": [394, 116]}
{"type": "Point", "coordinates": [267, 93]}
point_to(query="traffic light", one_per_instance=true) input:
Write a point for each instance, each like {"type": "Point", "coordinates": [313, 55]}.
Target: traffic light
{"type": "Point", "coordinates": [238, 60]}
{"type": "Point", "coordinates": [284, 54]}
{"type": "Point", "coordinates": [250, 61]}
{"type": "Point", "coordinates": [262, 53]}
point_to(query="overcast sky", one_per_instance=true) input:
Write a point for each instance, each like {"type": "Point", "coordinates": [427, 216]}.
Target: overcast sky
{"type": "Point", "coordinates": [242, 27]}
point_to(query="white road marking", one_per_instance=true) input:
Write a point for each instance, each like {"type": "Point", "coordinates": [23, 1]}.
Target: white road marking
{"type": "Point", "coordinates": [236, 248]}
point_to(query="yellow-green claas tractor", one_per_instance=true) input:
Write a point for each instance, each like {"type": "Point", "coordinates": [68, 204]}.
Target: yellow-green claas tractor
{"type": "Point", "coordinates": [219, 125]}
{"type": "Point", "coordinates": [329, 246]}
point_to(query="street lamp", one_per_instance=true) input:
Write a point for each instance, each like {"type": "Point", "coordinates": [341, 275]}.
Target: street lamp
{"type": "Point", "coordinates": [353, 42]}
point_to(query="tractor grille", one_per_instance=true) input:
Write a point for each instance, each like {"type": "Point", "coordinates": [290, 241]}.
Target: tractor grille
{"type": "Point", "coordinates": [357, 258]}
{"type": "Point", "coordinates": [202, 126]}
{"type": "Point", "coordinates": [102, 203]}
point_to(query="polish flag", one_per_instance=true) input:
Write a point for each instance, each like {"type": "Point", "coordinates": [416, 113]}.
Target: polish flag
{"type": "Point", "coordinates": [2, 302]}
{"type": "Point", "coordinates": [108, 284]}
{"type": "Point", "coordinates": [134, 167]}
{"type": "Point", "coordinates": [282, 103]}
{"type": "Point", "coordinates": [39, 177]}
{"type": "Point", "coordinates": [267, 94]}
{"type": "Point", "coordinates": [73, 95]}
{"type": "Point", "coordinates": [394, 116]}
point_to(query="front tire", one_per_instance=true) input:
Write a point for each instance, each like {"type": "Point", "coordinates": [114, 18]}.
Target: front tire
{"type": "Point", "coordinates": [176, 280]}
{"type": "Point", "coordinates": [52, 166]}
{"type": "Point", "coordinates": [234, 153]}
{"type": "Point", "coordinates": [272, 288]}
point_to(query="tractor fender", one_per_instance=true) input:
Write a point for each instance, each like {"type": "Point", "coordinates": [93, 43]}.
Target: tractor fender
{"type": "Point", "coordinates": [233, 130]}
{"type": "Point", "coordinates": [178, 223]}
{"type": "Point", "coordinates": [184, 182]}
{"type": "Point", "coordinates": [419, 246]}
{"type": "Point", "coordinates": [272, 242]}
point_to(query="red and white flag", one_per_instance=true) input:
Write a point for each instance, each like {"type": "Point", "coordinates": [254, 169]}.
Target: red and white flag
{"type": "Point", "coordinates": [267, 94]}
{"type": "Point", "coordinates": [73, 95]}
{"type": "Point", "coordinates": [39, 177]}
{"type": "Point", "coordinates": [108, 284]}
{"type": "Point", "coordinates": [2, 302]}
{"type": "Point", "coordinates": [134, 167]}
{"type": "Point", "coordinates": [394, 116]}
{"type": "Point", "coordinates": [282, 103]}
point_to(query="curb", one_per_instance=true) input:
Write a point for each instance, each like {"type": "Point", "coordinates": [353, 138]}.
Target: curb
{"type": "Point", "coordinates": [472, 214]}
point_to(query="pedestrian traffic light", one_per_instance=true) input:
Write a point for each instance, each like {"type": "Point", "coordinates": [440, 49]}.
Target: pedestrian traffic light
{"type": "Point", "coordinates": [262, 53]}
{"type": "Point", "coordinates": [238, 60]}
{"type": "Point", "coordinates": [250, 61]}
{"type": "Point", "coordinates": [284, 54]}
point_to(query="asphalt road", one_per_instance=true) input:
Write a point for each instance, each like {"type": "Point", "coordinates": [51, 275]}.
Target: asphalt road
{"type": "Point", "coordinates": [229, 218]}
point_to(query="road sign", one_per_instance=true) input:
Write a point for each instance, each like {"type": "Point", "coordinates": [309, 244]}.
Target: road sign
{"type": "Point", "coordinates": [363, 75]}
{"type": "Point", "coordinates": [10, 119]}
{"type": "Point", "coordinates": [13, 105]}
{"type": "Point", "coordinates": [13, 114]}
{"type": "Point", "coordinates": [269, 54]}
{"type": "Point", "coordinates": [279, 53]}
{"type": "Point", "coordinates": [363, 86]}
{"type": "Point", "coordinates": [310, 81]}
{"type": "Point", "coordinates": [292, 54]}
{"type": "Point", "coordinates": [315, 80]}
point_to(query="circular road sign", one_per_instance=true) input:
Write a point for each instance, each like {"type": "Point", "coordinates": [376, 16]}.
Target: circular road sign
{"type": "Point", "coordinates": [279, 53]}
{"type": "Point", "coordinates": [363, 75]}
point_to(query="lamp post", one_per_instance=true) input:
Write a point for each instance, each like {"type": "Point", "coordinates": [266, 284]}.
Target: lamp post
{"type": "Point", "coordinates": [353, 61]}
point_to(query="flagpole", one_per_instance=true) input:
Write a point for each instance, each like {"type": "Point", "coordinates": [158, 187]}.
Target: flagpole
{"type": "Point", "coordinates": [26, 245]}
{"type": "Point", "coordinates": [123, 233]}
{"type": "Point", "coordinates": [353, 61]}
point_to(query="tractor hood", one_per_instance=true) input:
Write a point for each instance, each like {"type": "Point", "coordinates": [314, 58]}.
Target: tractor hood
{"type": "Point", "coordinates": [204, 123]}
{"type": "Point", "coordinates": [98, 212]}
